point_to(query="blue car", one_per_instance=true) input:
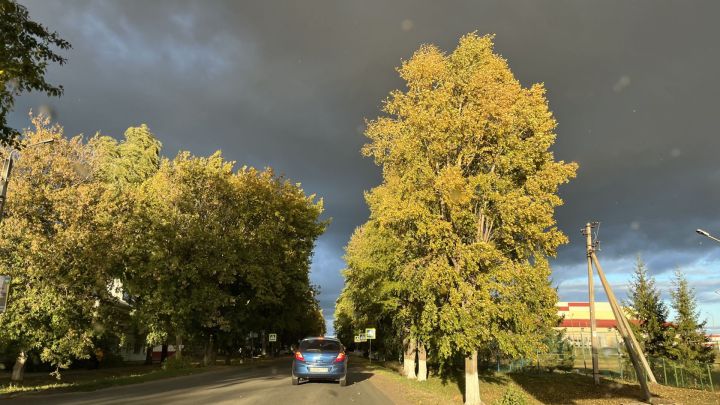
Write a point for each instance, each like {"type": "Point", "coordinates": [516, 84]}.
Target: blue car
{"type": "Point", "coordinates": [320, 358]}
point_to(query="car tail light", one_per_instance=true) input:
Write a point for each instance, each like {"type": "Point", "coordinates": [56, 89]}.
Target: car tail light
{"type": "Point", "coordinates": [340, 357]}
{"type": "Point", "coordinates": [299, 356]}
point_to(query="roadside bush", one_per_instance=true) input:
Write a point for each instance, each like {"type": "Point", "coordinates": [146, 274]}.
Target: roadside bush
{"type": "Point", "coordinates": [512, 396]}
{"type": "Point", "coordinates": [173, 363]}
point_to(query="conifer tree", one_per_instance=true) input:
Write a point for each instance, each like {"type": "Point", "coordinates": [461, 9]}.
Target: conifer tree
{"type": "Point", "coordinates": [690, 343]}
{"type": "Point", "coordinates": [650, 312]}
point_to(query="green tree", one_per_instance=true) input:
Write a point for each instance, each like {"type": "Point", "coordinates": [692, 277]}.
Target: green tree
{"type": "Point", "coordinates": [210, 255]}
{"type": "Point", "coordinates": [690, 344]}
{"type": "Point", "coordinates": [373, 294]}
{"type": "Point", "coordinates": [52, 244]}
{"type": "Point", "coordinates": [650, 311]}
{"type": "Point", "coordinates": [178, 250]}
{"type": "Point", "coordinates": [470, 188]}
{"type": "Point", "coordinates": [26, 49]}
{"type": "Point", "coordinates": [131, 161]}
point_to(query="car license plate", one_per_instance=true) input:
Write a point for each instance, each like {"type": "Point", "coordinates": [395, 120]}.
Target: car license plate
{"type": "Point", "coordinates": [318, 369]}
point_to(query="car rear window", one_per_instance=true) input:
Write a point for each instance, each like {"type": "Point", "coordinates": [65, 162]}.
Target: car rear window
{"type": "Point", "coordinates": [318, 345]}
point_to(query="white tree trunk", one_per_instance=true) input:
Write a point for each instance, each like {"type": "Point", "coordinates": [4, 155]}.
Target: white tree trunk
{"type": "Point", "coordinates": [422, 362]}
{"type": "Point", "coordinates": [472, 384]}
{"type": "Point", "coordinates": [18, 372]}
{"type": "Point", "coordinates": [178, 347]}
{"type": "Point", "coordinates": [409, 363]}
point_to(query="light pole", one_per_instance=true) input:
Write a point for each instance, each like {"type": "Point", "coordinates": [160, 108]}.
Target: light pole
{"type": "Point", "coordinates": [7, 169]}
{"type": "Point", "coordinates": [707, 235]}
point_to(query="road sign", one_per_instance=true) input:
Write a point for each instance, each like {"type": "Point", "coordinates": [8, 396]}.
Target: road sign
{"type": "Point", "coordinates": [272, 337]}
{"type": "Point", "coordinates": [4, 289]}
{"type": "Point", "coordinates": [362, 337]}
{"type": "Point", "coordinates": [356, 339]}
{"type": "Point", "coordinates": [370, 333]}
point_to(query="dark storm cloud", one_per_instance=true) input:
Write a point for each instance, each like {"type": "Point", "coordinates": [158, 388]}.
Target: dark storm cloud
{"type": "Point", "coordinates": [288, 84]}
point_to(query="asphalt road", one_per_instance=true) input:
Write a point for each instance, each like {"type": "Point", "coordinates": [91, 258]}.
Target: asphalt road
{"type": "Point", "coordinates": [267, 383]}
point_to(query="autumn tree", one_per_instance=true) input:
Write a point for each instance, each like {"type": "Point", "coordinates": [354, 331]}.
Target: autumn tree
{"type": "Point", "coordinates": [690, 344]}
{"type": "Point", "coordinates": [204, 253]}
{"type": "Point", "coordinates": [52, 244]}
{"type": "Point", "coordinates": [469, 189]}
{"type": "Point", "coordinates": [650, 312]}
{"type": "Point", "coordinates": [26, 49]}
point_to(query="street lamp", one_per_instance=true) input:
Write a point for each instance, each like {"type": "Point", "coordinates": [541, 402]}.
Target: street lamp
{"type": "Point", "coordinates": [707, 235]}
{"type": "Point", "coordinates": [5, 174]}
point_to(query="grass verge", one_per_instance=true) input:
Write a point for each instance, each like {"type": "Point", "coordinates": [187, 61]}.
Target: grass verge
{"type": "Point", "coordinates": [93, 380]}
{"type": "Point", "coordinates": [545, 388]}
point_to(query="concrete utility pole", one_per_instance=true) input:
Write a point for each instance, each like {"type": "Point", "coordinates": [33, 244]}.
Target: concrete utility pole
{"type": "Point", "coordinates": [591, 292]}
{"type": "Point", "coordinates": [4, 178]}
{"type": "Point", "coordinates": [640, 364]}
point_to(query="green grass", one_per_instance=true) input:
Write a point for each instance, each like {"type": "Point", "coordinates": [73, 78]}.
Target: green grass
{"type": "Point", "coordinates": [543, 388]}
{"type": "Point", "coordinates": [94, 380]}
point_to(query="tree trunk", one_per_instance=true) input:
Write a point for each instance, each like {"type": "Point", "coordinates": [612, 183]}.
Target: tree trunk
{"type": "Point", "coordinates": [178, 347]}
{"type": "Point", "coordinates": [409, 363]}
{"type": "Point", "coordinates": [228, 358]}
{"type": "Point", "coordinates": [422, 362]}
{"type": "Point", "coordinates": [164, 353]}
{"type": "Point", "coordinates": [472, 384]}
{"type": "Point", "coordinates": [18, 372]}
{"type": "Point", "coordinates": [209, 357]}
{"type": "Point", "coordinates": [148, 354]}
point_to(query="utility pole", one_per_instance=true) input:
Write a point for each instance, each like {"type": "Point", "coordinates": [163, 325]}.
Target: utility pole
{"type": "Point", "coordinates": [626, 332]}
{"type": "Point", "coordinates": [4, 178]}
{"type": "Point", "coordinates": [640, 364]}
{"type": "Point", "coordinates": [591, 292]}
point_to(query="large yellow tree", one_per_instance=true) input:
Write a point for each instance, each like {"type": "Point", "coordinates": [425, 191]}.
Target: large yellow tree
{"type": "Point", "coordinates": [470, 188]}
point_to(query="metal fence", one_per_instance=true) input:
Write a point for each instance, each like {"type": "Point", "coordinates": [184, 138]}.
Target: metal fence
{"type": "Point", "coordinates": [613, 363]}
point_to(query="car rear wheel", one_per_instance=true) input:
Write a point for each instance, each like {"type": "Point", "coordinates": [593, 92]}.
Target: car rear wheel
{"type": "Point", "coordinates": [343, 381]}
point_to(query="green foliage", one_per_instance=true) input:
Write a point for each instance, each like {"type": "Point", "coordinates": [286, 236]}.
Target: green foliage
{"type": "Point", "coordinates": [212, 252]}
{"type": "Point", "coordinates": [469, 192]}
{"type": "Point", "coordinates": [199, 249]}
{"type": "Point", "coordinates": [690, 344]}
{"type": "Point", "coordinates": [560, 353]}
{"type": "Point", "coordinates": [651, 312]}
{"type": "Point", "coordinates": [465, 214]}
{"type": "Point", "coordinates": [52, 244]}
{"type": "Point", "coordinates": [512, 396]}
{"type": "Point", "coordinates": [175, 363]}
{"type": "Point", "coordinates": [373, 295]}
{"type": "Point", "coordinates": [26, 49]}
{"type": "Point", "coordinates": [132, 161]}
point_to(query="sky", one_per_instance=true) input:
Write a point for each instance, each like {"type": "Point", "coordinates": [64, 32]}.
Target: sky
{"type": "Point", "coordinates": [288, 84]}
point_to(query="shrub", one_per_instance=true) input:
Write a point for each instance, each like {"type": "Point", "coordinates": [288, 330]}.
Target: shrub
{"type": "Point", "coordinates": [174, 363]}
{"type": "Point", "coordinates": [512, 396]}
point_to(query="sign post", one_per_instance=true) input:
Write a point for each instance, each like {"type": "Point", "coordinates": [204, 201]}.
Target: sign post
{"type": "Point", "coordinates": [272, 338]}
{"type": "Point", "coordinates": [370, 334]}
